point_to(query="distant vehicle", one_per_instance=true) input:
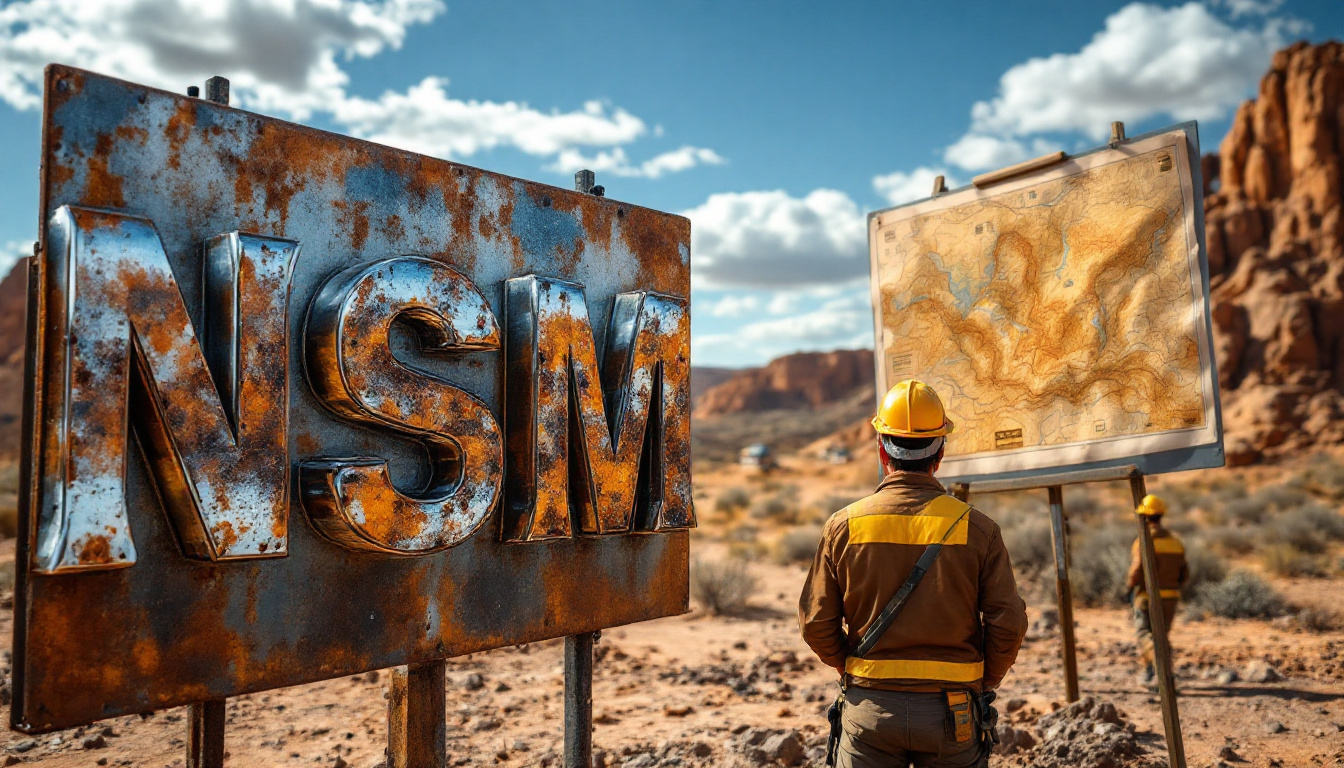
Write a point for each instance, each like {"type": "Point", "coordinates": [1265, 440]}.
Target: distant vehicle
{"type": "Point", "coordinates": [757, 455]}
{"type": "Point", "coordinates": [836, 454]}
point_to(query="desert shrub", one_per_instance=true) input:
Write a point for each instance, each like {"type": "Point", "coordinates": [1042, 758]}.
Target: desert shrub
{"type": "Point", "coordinates": [798, 545]}
{"type": "Point", "coordinates": [1099, 564]}
{"type": "Point", "coordinates": [1323, 476]}
{"type": "Point", "coordinates": [1206, 567]}
{"type": "Point", "coordinates": [1308, 528]}
{"type": "Point", "coordinates": [1242, 595]}
{"type": "Point", "coordinates": [1287, 560]}
{"type": "Point", "coordinates": [1253, 509]}
{"type": "Point", "coordinates": [1319, 619]}
{"type": "Point", "coordinates": [9, 516]}
{"type": "Point", "coordinates": [9, 478]}
{"type": "Point", "coordinates": [722, 587]}
{"type": "Point", "coordinates": [1029, 544]}
{"type": "Point", "coordinates": [746, 533]}
{"type": "Point", "coordinates": [777, 508]}
{"type": "Point", "coordinates": [732, 499]}
{"type": "Point", "coordinates": [1231, 541]}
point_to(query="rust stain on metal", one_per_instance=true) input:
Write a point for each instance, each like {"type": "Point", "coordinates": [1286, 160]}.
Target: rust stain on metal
{"type": "Point", "coordinates": [179, 577]}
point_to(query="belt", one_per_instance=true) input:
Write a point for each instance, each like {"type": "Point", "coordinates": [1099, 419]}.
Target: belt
{"type": "Point", "coordinates": [907, 669]}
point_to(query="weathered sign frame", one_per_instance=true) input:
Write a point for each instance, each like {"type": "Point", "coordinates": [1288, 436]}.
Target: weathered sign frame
{"type": "Point", "coordinates": [1201, 450]}
{"type": "Point", "coordinates": [166, 610]}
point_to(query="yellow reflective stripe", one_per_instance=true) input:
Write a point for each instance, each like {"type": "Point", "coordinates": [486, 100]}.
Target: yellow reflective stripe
{"type": "Point", "coordinates": [1170, 594]}
{"type": "Point", "coordinates": [926, 527]}
{"type": "Point", "coordinates": [1168, 546]}
{"type": "Point", "coordinates": [906, 669]}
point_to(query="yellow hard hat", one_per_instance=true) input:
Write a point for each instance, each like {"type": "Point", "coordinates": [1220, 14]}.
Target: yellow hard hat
{"type": "Point", "coordinates": [912, 409]}
{"type": "Point", "coordinates": [1152, 506]}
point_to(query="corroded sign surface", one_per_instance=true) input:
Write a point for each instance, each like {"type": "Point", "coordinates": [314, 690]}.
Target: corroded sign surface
{"type": "Point", "coordinates": [302, 406]}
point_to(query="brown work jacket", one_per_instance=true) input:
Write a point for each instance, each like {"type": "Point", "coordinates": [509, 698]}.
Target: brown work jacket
{"type": "Point", "coordinates": [1172, 570]}
{"type": "Point", "coordinates": [961, 627]}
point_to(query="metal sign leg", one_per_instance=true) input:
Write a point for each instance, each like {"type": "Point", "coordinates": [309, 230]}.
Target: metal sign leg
{"type": "Point", "coordinates": [1166, 684]}
{"type": "Point", "coordinates": [1060, 534]}
{"type": "Point", "coordinates": [205, 734]}
{"type": "Point", "coordinates": [579, 700]}
{"type": "Point", "coordinates": [417, 718]}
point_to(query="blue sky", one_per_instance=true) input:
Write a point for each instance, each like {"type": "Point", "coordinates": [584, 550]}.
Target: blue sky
{"type": "Point", "coordinates": [776, 126]}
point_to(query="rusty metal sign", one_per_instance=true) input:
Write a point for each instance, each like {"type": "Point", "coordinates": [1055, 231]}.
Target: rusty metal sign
{"type": "Point", "coordinates": [301, 406]}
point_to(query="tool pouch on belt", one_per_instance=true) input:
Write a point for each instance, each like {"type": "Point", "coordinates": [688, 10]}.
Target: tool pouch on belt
{"type": "Point", "coordinates": [959, 709]}
{"type": "Point", "coordinates": [833, 714]}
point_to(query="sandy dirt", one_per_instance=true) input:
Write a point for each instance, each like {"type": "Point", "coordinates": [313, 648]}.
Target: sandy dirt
{"type": "Point", "coordinates": [694, 689]}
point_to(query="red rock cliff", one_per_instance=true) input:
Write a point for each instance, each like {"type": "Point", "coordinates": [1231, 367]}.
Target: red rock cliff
{"type": "Point", "coordinates": [802, 380]}
{"type": "Point", "coordinates": [1274, 234]}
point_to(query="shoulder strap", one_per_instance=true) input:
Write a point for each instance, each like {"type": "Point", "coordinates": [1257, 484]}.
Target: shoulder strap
{"type": "Point", "coordinates": [922, 566]}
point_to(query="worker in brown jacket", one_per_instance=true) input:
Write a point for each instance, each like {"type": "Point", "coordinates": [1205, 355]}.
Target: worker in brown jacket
{"type": "Point", "coordinates": [1172, 574]}
{"type": "Point", "coordinates": [958, 633]}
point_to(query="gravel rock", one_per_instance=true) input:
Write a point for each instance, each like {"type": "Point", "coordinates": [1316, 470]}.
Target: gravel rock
{"type": "Point", "coordinates": [1087, 733]}
{"type": "Point", "coordinates": [1013, 740]}
{"type": "Point", "coordinates": [23, 746]}
{"type": "Point", "coordinates": [1227, 677]}
{"type": "Point", "coordinates": [1262, 672]}
{"type": "Point", "coordinates": [1274, 726]}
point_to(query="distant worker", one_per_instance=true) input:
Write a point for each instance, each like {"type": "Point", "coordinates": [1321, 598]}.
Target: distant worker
{"type": "Point", "coordinates": [916, 688]}
{"type": "Point", "coordinates": [1172, 574]}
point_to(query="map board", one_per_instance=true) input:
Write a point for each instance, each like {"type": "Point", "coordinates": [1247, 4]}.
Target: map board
{"type": "Point", "coordinates": [1063, 315]}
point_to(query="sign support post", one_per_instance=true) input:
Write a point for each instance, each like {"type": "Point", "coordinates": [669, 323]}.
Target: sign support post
{"type": "Point", "coordinates": [417, 715]}
{"type": "Point", "coordinates": [1059, 535]}
{"type": "Point", "coordinates": [579, 648]}
{"type": "Point", "coordinates": [1171, 721]}
{"type": "Point", "coordinates": [1166, 684]}
{"type": "Point", "coordinates": [205, 734]}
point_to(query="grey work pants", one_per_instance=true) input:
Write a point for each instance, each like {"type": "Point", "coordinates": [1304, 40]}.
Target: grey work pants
{"type": "Point", "coordinates": [895, 729]}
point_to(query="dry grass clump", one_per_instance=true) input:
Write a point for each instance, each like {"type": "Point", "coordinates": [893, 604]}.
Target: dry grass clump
{"type": "Point", "coordinates": [732, 499]}
{"type": "Point", "coordinates": [9, 501]}
{"type": "Point", "coordinates": [779, 508]}
{"type": "Point", "coordinates": [1206, 567]}
{"type": "Point", "coordinates": [723, 587]}
{"type": "Point", "coordinates": [1100, 563]}
{"type": "Point", "coordinates": [798, 545]}
{"type": "Point", "coordinates": [1319, 620]}
{"type": "Point", "coordinates": [1242, 595]}
{"type": "Point", "coordinates": [1290, 562]}
{"type": "Point", "coordinates": [1029, 545]}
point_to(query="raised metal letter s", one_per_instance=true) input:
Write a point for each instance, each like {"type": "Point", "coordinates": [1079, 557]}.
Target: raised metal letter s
{"type": "Point", "coordinates": [354, 373]}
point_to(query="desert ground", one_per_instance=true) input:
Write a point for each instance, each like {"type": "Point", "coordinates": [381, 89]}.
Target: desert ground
{"type": "Point", "coordinates": [738, 687]}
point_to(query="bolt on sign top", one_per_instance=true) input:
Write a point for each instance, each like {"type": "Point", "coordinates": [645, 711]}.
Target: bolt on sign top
{"type": "Point", "coordinates": [388, 409]}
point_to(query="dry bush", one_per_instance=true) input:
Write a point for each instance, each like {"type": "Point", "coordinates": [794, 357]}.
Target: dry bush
{"type": "Point", "coordinates": [1319, 620]}
{"type": "Point", "coordinates": [732, 499]}
{"type": "Point", "coordinates": [1099, 564]}
{"type": "Point", "coordinates": [1242, 595]}
{"type": "Point", "coordinates": [1206, 567]}
{"type": "Point", "coordinates": [1253, 509]}
{"type": "Point", "coordinates": [1232, 541]}
{"type": "Point", "coordinates": [1324, 476]}
{"type": "Point", "coordinates": [778, 508]}
{"type": "Point", "coordinates": [1029, 544]}
{"type": "Point", "coordinates": [1287, 560]}
{"type": "Point", "coordinates": [798, 545]}
{"type": "Point", "coordinates": [722, 587]}
{"type": "Point", "coordinates": [1308, 528]}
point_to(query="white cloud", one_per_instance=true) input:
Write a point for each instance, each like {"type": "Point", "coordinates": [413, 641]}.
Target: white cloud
{"type": "Point", "coordinates": [286, 57]}
{"type": "Point", "coordinates": [1240, 8]}
{"type": "Point", "coordinates": [821, 319]}
{"type": "Point", "coordinates": [11, 253]}
{"type": "Point", "coordinates": [733, 305]}
{"type": "Point", "coordinates": [425, 119]}
{"type": "Point", "coordinates": [771, 239]}
{"type": "Point", "coordinates": [900, 187]}
{"type": "Point", "coordinates": [616, 163]}
{"type": "Point", "coordinates": [1183, 61]}
{"type": "Point", "coordinates": [280, 55]}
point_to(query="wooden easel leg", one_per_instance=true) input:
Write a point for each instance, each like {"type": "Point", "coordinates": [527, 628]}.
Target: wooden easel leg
{"type": "Point", "coordinates": [1060, 534]}
{"type": "Point", "coordinates": [1166, 684]}
{"type": "Point", "coordinates": [417, 717]}
{"type": "Point", "coordinates": [205, 734]}
{"type": "Point", "coordinates": [579, 700]}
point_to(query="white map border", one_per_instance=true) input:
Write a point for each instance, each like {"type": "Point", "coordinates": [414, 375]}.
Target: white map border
{"type": "Point", "coordinates": [1102, 449]}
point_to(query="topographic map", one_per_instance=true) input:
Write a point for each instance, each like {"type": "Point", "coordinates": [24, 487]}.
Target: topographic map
{"type": "Point", "coordinates": [1061, 315]}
